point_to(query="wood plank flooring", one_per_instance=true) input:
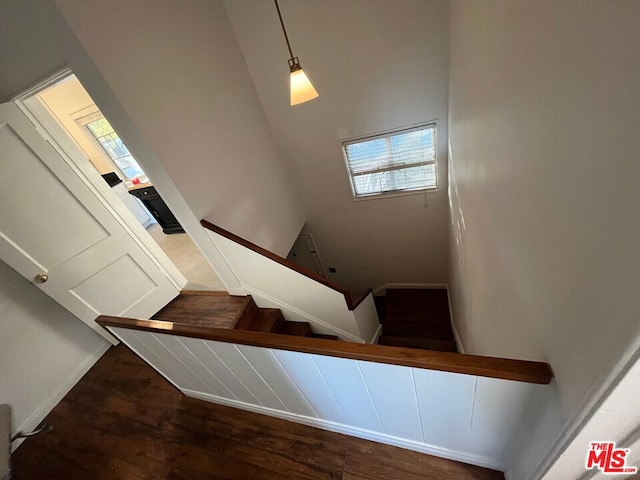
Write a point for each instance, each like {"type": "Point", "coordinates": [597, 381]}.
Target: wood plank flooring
{"type": "Point", "coordinates": [185, 255]}
{"type": "Point", "coordinates": [124, 421]}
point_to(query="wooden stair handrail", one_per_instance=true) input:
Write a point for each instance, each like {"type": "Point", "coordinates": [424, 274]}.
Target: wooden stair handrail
{"type": "Point", "coordinates": [503, 368]}
{"type": "Point", "coordinates": [351, 305]}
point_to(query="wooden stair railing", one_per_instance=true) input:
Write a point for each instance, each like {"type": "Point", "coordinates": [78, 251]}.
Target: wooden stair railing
{"type": "Point", "coordinates": [503, 368]}
{"type": "Point", "coordinates": [351, 304]}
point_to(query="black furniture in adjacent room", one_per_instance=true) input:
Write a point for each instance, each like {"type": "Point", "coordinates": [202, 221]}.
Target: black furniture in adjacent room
{"type": "Point", "coordinates": [154, 203]}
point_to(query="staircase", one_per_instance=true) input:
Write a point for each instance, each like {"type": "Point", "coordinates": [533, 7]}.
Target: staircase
{"type": "Point", "coordinates": [416, 318]}
{"type": "Point", "coordinates": [411, 318]}
{"type": "Point", "coordinates": [221, 310]}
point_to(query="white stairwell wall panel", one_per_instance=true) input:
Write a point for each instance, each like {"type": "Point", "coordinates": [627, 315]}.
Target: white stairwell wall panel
{"type": "Point", "coordinates": [247, 374]}
{"type": "Point", "coordinates": [201, 349]}
{"type": "Point", "coordinates": [191, 368]}
{"type": "Point", "coordinates": [320, 300]}
{"type": "Point", "coordinates": [138, 342]}
{"type": "Point", "coordinates": [344, 378]}
{"type": "Point", "coordinates": [189, 380]}
{"type": "Point", "coordinates": [287, 286]}
{"type": "Point", "coordinates": [268, 367]}
{"type": "Point", "coordinates": [197, 366]}
{"type": "Point", "coordinates": [253, 269]}
{"type": "Point", "coordinates": [305, 374]}
{"type": "Point", "coordinates": [274, 285]}
{"type": "Point", "coordinates": [445, 402]}
{"type": "Point", "coordinates": [461, 417]}
{"type": "Point", "coordinates": [494, 422]}
{"type": "Point", "coordinates": [393, 392]}
{"type": "Point", "coordinates": [536, 432]}
{"type": "Point", "coordinates": [364, 313]}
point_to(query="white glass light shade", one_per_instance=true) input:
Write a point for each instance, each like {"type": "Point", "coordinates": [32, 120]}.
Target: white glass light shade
{"type": "Point", "coordinates": [301, 88]}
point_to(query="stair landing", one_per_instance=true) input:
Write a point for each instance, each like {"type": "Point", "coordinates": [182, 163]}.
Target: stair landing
{"type": "Point", "coordinates": [213, 309]}
{"type": "Point", "coordinates": [417, 318]}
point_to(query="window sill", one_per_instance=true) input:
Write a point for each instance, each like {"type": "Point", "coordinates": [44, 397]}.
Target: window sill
{"type": "Point", "coordinates": [379, 196]}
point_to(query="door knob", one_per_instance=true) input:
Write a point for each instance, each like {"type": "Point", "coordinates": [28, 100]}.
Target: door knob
{"type": "Point", "coordinates": [41, 278]}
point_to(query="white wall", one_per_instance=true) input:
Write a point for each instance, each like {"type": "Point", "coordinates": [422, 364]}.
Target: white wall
{"type": "Point", "coordinates": [44, 350]}
{"type": "Point", "coordinates": [617, 420]}
{"type": "Point", "coordinates": [462, 417]}
{"type": "Point", "coordinates": [544, 120]}
{"type": "Point", "coordinates": [179, 74]}
{"type": "Point", "coordinates": [377, 65]}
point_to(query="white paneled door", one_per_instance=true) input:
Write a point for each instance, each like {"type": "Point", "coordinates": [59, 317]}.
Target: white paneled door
{"type": "Point", "coordinates": [57, 233]}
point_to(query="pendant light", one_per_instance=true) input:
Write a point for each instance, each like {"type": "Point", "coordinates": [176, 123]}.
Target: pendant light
{"type": "Point", "coordinates": [300, 87]}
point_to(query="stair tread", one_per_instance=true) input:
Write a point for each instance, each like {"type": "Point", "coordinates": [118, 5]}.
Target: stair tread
{"type": "Point", "coordinates": [325, 337]}
{"type": "Point", "coordinates": [264, 320]}
{"type": "Point", "coordinates": [426, 305]}
{"type": "Point", "coordinates": [417, 331]}
{"type": "Point", "coordinates": [298, 329]}
{"type": "Point", "coordinates": [417, 313]}
{"type": "Point", "coordinates": [218, 311]}
{"type": "Point", "coordinates": [422, 343]}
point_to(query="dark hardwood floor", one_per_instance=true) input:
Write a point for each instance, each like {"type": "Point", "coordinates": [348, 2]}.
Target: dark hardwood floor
{"type": "Point", "coordinates": [124, 421]}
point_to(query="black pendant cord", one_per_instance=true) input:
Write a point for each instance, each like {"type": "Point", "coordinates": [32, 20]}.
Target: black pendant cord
{"type": "Point", "coordinates": [284, 30]}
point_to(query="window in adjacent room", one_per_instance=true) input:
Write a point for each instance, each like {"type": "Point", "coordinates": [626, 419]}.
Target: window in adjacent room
{"type": "Point", "coordinates": [102, 132]}
{"type": "Point", "coordinates": [402, 161]}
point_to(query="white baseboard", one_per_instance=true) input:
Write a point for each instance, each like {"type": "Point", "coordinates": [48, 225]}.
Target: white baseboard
{"type": "Point", "coordinates": [434, 450]}
{"type": "Point", "coordinates": [74, 377]}
{"type": "Point", "coordinates": [456, 336]}
{"type": "Point", "coordinates": [376, 335]}
{"type": "Point", "coordinates": [343, 334]}
{"type": "Point", "coordinates": [382, 289]}
{"type": "Point", "coordinates": [238, 291]}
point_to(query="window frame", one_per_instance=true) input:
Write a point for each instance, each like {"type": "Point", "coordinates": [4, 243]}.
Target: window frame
{"type": "Point", "coordinates": [93, 115]}
{"type": "Point", "coordinates": [387, 134]}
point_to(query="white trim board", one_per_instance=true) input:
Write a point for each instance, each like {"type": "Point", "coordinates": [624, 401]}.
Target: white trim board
{"type": "Point", "coordinates": [382, 289]}
{"type": "Point", "coordinates": [456, 335]}
{"type": "Point", "coordinates": [56, 396]}
{"type": "Point", "coordinates": [376, 335]}
{"type": "Point", "coordinates": [455, 455]}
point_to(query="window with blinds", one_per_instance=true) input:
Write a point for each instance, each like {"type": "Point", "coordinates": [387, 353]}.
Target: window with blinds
{"type": "Point", "coordinates": [396, 162]}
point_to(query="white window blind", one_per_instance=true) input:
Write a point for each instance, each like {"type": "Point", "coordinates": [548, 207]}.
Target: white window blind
{"type": "Point", "coordinates": [400, 161]}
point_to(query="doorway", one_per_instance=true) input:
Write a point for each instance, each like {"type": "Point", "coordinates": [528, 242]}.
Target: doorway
{"type": "Point", "coordinates": [69, 115]}
{"type": "Point", "coordinates": [305, 253]}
